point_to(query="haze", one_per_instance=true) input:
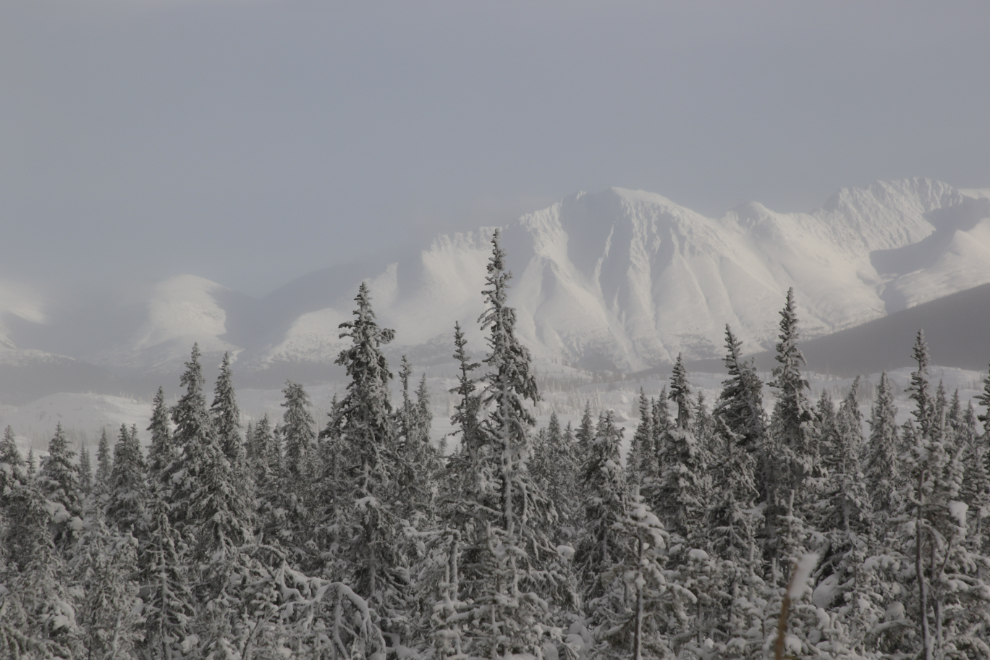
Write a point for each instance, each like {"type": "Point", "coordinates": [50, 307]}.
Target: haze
{"type": "Point", "coordinates": [253, 142]}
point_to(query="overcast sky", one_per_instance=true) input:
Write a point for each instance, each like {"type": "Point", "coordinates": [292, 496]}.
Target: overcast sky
{"type": "Point", "coordinates": [253, 141]}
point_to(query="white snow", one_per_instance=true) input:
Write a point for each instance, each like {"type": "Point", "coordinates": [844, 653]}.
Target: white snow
{"type": "Point", "coordinates": [799, 581]}
{"type": "Point", "coordinates": [636, 279]}
{"type": "Point", "coordinates": [958, 511]}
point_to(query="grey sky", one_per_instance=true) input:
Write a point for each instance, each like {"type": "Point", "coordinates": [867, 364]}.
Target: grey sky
{"type": "Point", "coordinates": [251, 142]}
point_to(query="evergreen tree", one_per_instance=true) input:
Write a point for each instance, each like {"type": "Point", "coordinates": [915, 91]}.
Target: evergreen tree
{"type": "Point", "coordinates": [12, 470]}
{"type": "Point", "coordinates": [207, 505]}
{"type": "Point", "coordinates": [680, 498]}
{"type": "Point", "coordinates": [424, 416]}
{"type": "Point", "coordinates": [585, 433]}
{"type": "Point", "coordinates": [512, 616]}
{"type": "Point", "coordinates": [365, 524]}
{"type": "Point", "coordinates": [790, 455]}
{"type": "Point", "coordinates": [170, 606]}
{"type": "Point", "coordinates": [976, 480]}
{"type": "Point", "coordinates": [85, 472]}
{"type": "Point", "coordinates": [37, 617]}
{"type": "Point", "coordinates": [297, 434]}
{"type": "Point", "coordinates": [162, 451]}
{"type": "Point", "coordinates": [740, 404]}
{"type": "Point", "coordinates": [226, 417]}
{"type": "Point", "coordinates": [740, 430]}
{"type": "Point", "coordinates": [882, 472]}
{"type": "Point", "coordinates": [638, 603]}
{"type": "Point", "coordinates": [605, 504]}
{"type": "Point", "coordinates": [555, 466]}
{"type": "Point", "coordinates": [104, 565]}
{"type": "Point", "coordinates": [949, 599]}
{"type": "Point", "coordinates": [128, 484]}
{"type": "Point", "coordinates": [59, 482]}
{"type": "Point", "coordinates": [641, 448]}
{"type": "Point", "coordinates": [265, 463]}
{"type": "Point", "coordinates": [104, 465]}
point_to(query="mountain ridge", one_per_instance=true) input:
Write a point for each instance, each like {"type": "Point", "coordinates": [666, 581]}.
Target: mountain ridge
{"type": "Point", "coordinates": [620, 279]}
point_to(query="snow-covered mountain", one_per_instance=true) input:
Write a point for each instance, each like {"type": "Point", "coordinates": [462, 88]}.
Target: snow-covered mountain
{"type": "Point", "coordinates": [617, 279]}
{"type": "Point", "coordinates": [630, 279]}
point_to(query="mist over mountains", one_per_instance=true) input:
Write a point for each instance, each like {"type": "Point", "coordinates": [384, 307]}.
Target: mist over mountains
{"type": "Point", "coordinates": [620, 280]}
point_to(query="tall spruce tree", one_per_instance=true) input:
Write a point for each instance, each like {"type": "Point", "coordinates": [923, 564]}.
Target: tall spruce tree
{"type": "Point", "coordinates": [642, 446]}
{"type": "Point", "coordinates": [85, 472]}
{"type": "Point", "coordinates": [162, 450]}
{"type": "Point", "coordinates": [12, 468]}
{"type": "Point", "coordinates": [363, 424]}
{"type": "Point", "coordinates": [58, 479]}
{"type": "Point", "coordinates": [680, 498]}
{"type": "Point", "coordinates": [512, 616]}
{"type": "Point", "coordinates": [882, 471]}
{"type": "Point", "coordinates": [604, 489]}
{"type": "Point", "coordinates": [104, 465]}
{"type": "Point", "coordinates": [207, 503]}
{"type": "Point", "coordinates": [790, 457]}
{"type": "Point", "coordinates": [128, 498]}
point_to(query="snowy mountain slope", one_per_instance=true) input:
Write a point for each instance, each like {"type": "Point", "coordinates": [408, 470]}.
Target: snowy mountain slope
{"type": "Point", "coordinates": [179, 312]}
{"type": "Point", "coordinates": [618, 279]}
{"type": "Point", "coordinates": [630, 279]}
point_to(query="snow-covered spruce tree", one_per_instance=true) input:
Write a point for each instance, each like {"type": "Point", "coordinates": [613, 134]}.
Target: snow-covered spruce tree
{"type": "Point", "coordinates": [103, 568]}
{"type": "Point", "coordinates": [162, 450]}
{"type": "Point", "coordinates": [210, 513]}
{"type": "Point", "coordinates": [703, 428]}
{"type": "Point", "coordinates": [298, 433]}
{"type": "Point", "coordinates": [604, 493]}
{"type": "Point", "coordinates": [680, 498]}
{"type": "Point", "coordinates": [789, 459]}
{"type": "Point", "coordinates": [226, 417]}
{"type": "Point", "coordinates": [424, 417]}
{"type": "Point", "coordinates": [296, 470]}
{"type": "Point", "coordinates": [642, 446]}
{"type": "Point", "coordinates": [362, 503]}
{"type": "Point", "coordinates": [740, 404]}
{"type": "Point", "coordinates": [740, 428]}
{"type": "Point", "coordinates": [166, 588]}
{"type": "Point", "coordinates": [585, 433]}
{"type": "Point", "coordinates": [949, 598]}
{"type": "Point", "coordinates": [85, 472]}
{"type": "Point", "coordinates": [882, 472]}
{"type": "Point", "coordinates": [555, 466]}
{"type": "Point", "coordinates": [128, 497]}
{"type": "Point", "coordinates": [976, 481]}
{"type": "Point", "coordinates": [207, 504]}
{"type": "Point", "coordinates": [417, 461]}
{"type": "Point", "coordinates": [467, 500]}
{"type": "Point", "coordinates": [104, 465]}
{"type": "Point", "coordinates": [12, 469]}
{"type": "Point", "coordinates": [465, 483]}
{"type": "Point", "coordinates": [37, 618]}
{"type": "Point", "coordinates": [844, 516]}
{"type": "Point", "coordinates": [512, 613]}
{"type": "Point", "coordinates": [265, 464]}
{"type": "Point", "coordinates": [638, 604]}
{"type": "Point", "coordinates": [58, 480]}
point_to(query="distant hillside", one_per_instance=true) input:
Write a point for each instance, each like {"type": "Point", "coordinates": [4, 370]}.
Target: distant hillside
{"type": "Point", "coordinates": [619, 280]}
{"type": "Point", "coordinates": [957, 330]}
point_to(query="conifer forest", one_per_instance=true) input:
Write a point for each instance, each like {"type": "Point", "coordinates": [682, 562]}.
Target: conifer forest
{"type": "Point", "coordinates": [731, 531]}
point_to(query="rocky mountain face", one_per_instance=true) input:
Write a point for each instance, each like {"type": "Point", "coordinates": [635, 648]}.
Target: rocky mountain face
{"type": "Point", "coordinates": [619, 279]}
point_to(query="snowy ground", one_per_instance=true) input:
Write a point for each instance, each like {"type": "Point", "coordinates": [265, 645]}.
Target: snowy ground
{"type": "Point", "coordinates": [565, 391]}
